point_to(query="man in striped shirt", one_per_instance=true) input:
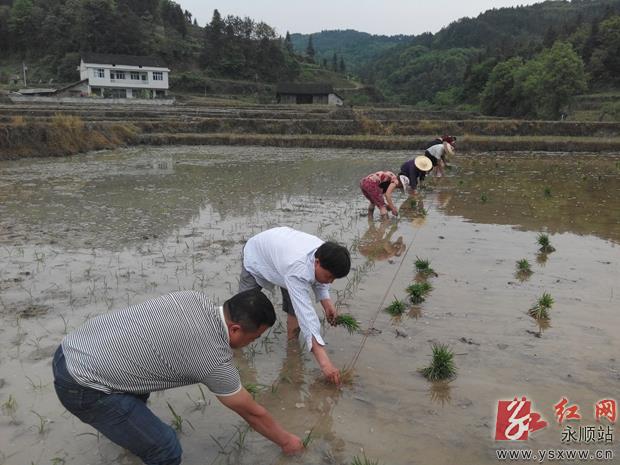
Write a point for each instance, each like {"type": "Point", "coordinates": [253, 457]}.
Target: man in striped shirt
{"type": "Point", "coordinates": [303, 266]}
{"type": "Point", "coordinates": [105, 370]}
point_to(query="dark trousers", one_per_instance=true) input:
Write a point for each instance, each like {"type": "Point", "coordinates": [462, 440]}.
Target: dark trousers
{"type": "Point", "coordinates": [123, 418]}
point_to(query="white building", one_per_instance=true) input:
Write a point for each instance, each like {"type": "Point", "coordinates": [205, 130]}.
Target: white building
{"type": "Point", "coordinates": [124, 76]}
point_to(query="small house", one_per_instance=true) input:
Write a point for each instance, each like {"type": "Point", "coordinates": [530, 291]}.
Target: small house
{"type": "Point", "coordinates": [307, 93]}
{"type": "Point", "coordinates": [124, 76]}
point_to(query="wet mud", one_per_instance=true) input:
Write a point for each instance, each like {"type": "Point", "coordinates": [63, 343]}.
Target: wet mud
{"type": "Point", "coordinates": [92, 233]}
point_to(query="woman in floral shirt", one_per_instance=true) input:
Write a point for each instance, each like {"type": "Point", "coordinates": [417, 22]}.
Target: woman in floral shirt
{"type": "Point", "coordinates": [377, 185]}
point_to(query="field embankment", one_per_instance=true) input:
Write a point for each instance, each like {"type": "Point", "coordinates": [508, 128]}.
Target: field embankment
{"type": "Point", "coordinates": [44, 130]}
{"type": "Point", "coordinates": [60, 136]}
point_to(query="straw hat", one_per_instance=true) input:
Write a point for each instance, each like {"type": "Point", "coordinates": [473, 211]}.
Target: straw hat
{"type": "Point", "coordinates": [423, 163]}
{"type": "Point", "coordinates": [404, 181]}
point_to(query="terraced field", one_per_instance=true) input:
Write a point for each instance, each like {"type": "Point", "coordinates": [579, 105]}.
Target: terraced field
{"type": "Point", "coordinates": [23, 125]}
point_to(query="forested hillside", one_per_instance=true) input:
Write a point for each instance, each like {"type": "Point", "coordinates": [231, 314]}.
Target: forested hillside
{"type": "Point", "coordinates": [522, 61]}
{"type": "Point", "coordinates": [527, 61]}
{"type": "Point", "coordinates": [455, 65]}
{"type": "Point", "coordinates": [50, 34]}
{"type": "Point", "coordinates": [356, 49]}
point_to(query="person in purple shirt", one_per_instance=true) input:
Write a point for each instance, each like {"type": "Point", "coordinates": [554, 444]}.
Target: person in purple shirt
{"type": "Point", "coordinates": [414, 171]}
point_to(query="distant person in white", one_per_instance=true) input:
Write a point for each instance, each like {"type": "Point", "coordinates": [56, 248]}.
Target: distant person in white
{"type": "Point", "coordinates": [105, 370]}
{"type": "Point", "coordinates": [301, 265]}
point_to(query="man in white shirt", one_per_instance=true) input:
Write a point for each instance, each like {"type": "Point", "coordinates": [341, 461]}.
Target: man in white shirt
{"type": "Point", "coordinates": [299, 264]}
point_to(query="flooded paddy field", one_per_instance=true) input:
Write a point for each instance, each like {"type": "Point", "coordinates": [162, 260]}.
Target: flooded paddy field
{"type": "Point", "coordinates": [92, 233]}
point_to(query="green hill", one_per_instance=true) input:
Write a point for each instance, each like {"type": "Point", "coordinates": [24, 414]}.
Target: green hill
{"type": "Point", "coordinates": [357, 48]}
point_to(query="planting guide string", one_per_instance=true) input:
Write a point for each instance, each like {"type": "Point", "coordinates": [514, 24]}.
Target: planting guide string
{"type": "Point", "coordinates": [362, 344]}
{"type": "Point", "coordinates": [374, 318]}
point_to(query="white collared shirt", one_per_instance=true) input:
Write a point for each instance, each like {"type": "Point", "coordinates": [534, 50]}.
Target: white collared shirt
{"type": "Point", "coordinates": [284, 257]}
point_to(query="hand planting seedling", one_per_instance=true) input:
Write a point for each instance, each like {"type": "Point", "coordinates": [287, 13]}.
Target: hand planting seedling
{"type": "Point", "coordinates": [442, 365]}
{"type": "Point", "coordinates": [348, 321]}
{"type": "Point", "coordinates": [396, 308]}
{"type": "Point", "coordinates": [423, 266]}
{"type": "Point", "coordinates": [417, 292]}
{"type": "Point", "coordinates": [540, 311]}
{"type": "Point", "coordinates": [545, 243]}
{"type": "Point", "coordinates": [346, 374]}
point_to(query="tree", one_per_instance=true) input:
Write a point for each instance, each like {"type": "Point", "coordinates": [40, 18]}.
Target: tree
{"type": "Point", "coordinates": [591, 42]}
{"type": "Point", "coordinates": [288, 44]}
{"type": "Point", "coordinates": [563, 76]}
{"type": "Point", "coordinates": [334, 62]}
{"type": "Point", "coordinates": [22, 24]}
{"type": "Point", "coordinates": [539, 88]}
{"type": "Point", "coordinates": [310, 52]}
{"type": "Point", "coordinates": [475, 78]}
{"type": "Point", "coordinates": [498, 97]}
{"type": "Point", "coordinates": [172, 15]}
{"type": "Point", "coordinates": [214, 38]}
{"type": "Point", "coordinates": [342, 67]}
{"type": "Point", "coordinates": [606, 56]}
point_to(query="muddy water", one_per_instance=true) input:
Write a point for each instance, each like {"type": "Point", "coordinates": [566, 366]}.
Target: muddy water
{"type": "Point", "coordinates": [89, 234]}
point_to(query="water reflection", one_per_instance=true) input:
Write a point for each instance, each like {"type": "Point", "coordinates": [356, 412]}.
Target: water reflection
{"type": "Point", "coordinates": [308, 398]}
{"type": "Point", "coordinates": [117, 199]}
{"type": "Point", "coordinates": [439, 393]}
{"type": "Point", "coordinates": [556, 193]}
{"type": "Point", "coordinates": [412, 209]}
{"type": "Point", "coordinates": [377, 244]}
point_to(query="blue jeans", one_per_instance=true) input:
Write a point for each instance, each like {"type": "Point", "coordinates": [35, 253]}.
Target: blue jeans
{"type": "Point", "coordinates": [123, 418]}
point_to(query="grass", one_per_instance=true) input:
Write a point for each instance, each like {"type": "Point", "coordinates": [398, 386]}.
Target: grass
{"type": "Point", "coordinates": [540, 310]}
{"type": "Point", "coordinates": [346, 375]}
{"type": "Point", "coordinates": [547, 192]}
{"type": "Point", "coordinates": [524, 269]}
{"type": "Point", "coordinates": [9, 406]}
{"type": "Point", "coordinates": [308, 439]}
{"type": "Point", "coordinates": [442, 364]}
{"type": "Point", "coordinates": [418, 291]}
{"type": "Point", "coordinates": [483, 198]}
{"type": "Point", "coordinates": [545, 243]}
{"type": "Point", "coordinates": [363, 460]}
{"type": "Point", "coordinates": [42, 422]}
{"type": "Point", "coordinates": [523, 266]}
{"type": "Point", "coordinates": [253, 388]}
{"type": "Point", "coordinates": [177, 420]}
{"type": "Point", "coordinates": [423, 266]}
{"type": "Point", "coordinates": [348, 321]}
{"type": "Point", "coordinates": [396, 308]}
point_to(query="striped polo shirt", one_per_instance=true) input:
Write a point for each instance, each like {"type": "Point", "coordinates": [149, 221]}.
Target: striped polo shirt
{"type": "Point", "coordinates": [174, 340]}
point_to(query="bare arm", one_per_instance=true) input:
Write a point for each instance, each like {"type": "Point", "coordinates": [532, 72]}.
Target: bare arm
{"type": "Point", "coordinates": [261, 420]}
{"type": "Point", "coordinates": [329, 370]}
{"type": "Point", "coordinates": [388, 197]}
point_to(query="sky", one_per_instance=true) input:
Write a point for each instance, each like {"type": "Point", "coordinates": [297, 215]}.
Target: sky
{"type": "Point", "coordinates": [385, 17]}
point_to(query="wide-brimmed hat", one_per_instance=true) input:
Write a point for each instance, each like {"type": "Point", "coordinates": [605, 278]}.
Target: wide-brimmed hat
{"type": "Point", "coordinates": [423, 163]}
{"type": "Point", "coordinates": [404, 182]}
